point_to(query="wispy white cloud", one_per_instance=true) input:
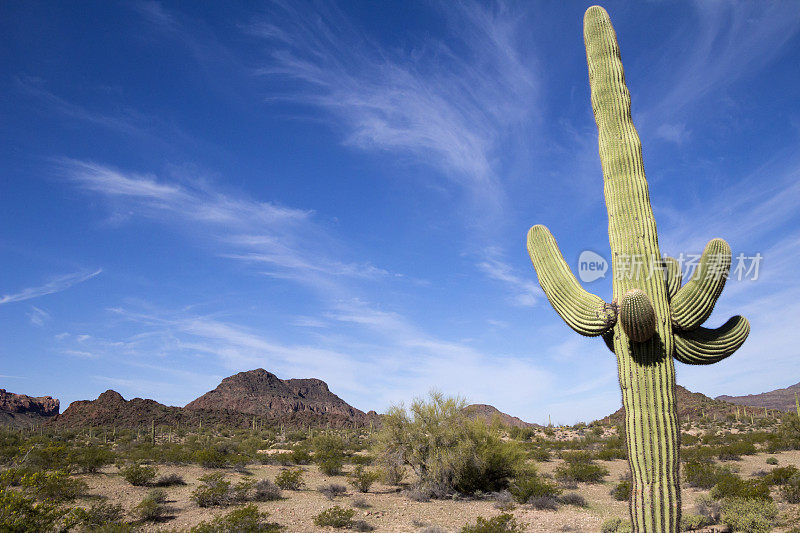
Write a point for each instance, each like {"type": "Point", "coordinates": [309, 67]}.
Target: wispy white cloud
{"type": "Point", "coordinates": [38, 316]}
{"type": "Point", "coordinates": [57, 284]}
{"type": "Point", "coordinates": [447, 105]}
{"type": "Point", "coordinates": [524, 291]}
{"type": "Point", "coordinates": [264, 233]}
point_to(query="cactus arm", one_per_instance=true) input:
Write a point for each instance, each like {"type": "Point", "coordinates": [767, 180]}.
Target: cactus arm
{"type": "Point", "coordinates": [704, 346]}
{"type": "Point", "coordinates": [672, 273]}
{"type": "Point", "coordinates": [584, 312]}
{"type": "Point", "coordinates": [694, 302]}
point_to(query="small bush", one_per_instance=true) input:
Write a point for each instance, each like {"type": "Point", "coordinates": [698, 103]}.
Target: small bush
{"type": "Point", "coordinates": [247, 519]}
{"type": "Point", "coordinates": [332, 490]}
{"type": "Point", "coordinates": [790, 491]}
{"type": "Point", "coordinates": [18, 513]}
{"type": "Point", "coordinates": [362, 479]}
{"type": "Point", "coordinates": [502, 523]}
{"type": "Point", "coordinates": [781, 475]}
{"type": "Point", "coordinates": [139, 475]}
{"type": "Point", "coordinates": [709, 507]}
{"type": "Point", "coordinates": [265, 490]}
{"type": "Point", "coordinates": [585, 472]}
{"type": "Point", "coordinates": [574, 499]}
{"type": "Point", "coordinates": [170, 480]}
{"type": "Point", "coordinates": [360, 503]}
{"type": "Point", "coordinates": [616, 525]}
{"type": "Point", "coordinates": [690, 522]}
{"type": "Point", "coordinates": [732, 486]}
{"type": "Point", "coordinates": [96, 517]}
{"type": "Point", "coordinates": [749, 515]}
{"type": "Point", "coordinates": [329, 454]}
{"type": "Point", "coordinates": [540, 455]}
{"type": "Point", "coordinates": [300, 456]}
{"type": "Point", "coordinates": [152, 508]}
{"type": "Point", "coordinates": [53, 486]}
{"type": "Point", "coordinates": [622, 491]}
{"type": "Point", "coordinates": [215, 490]}
{"type": "Point", "coordinates": [532, 485]}
{"type": "Point", "coordinates": [290, 479]}
{"type": "Point", "coordinates": [89, 459]}
{"type": "Point", "coordinates": [335, 517]}
{"type": "Point", "coordinates": [703, 475]}
{"type": "Point", "coordinates": [211, 458]}
{"type": "Point", "coordinates": [544, 503]}
{"type": "Point", "coordinates": [772, 461]}
{"type": "Point", "coordinates": [393, 474]}
{"type": "Point", "coordinates": [609, 454]}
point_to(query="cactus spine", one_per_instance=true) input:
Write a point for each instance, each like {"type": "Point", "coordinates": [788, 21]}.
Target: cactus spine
{"type": "Point", "coordinates": [652, 318]}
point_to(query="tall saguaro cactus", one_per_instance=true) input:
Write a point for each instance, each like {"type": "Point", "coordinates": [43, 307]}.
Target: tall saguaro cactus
{"type": "Point", "coordinates": [652, 318]}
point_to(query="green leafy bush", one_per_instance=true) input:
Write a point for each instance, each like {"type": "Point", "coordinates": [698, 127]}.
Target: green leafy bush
{"type": "Point", "coordinates": [579, 467]}
{"type": "Point", "coordinates": [247, 519]}
{"type": "Point", "coordinates": [290, 479]}
{"type": "Point", "coordinates": [139, 475]}
{"type": "Point", "coordinates": [749, 515]}
{"type": "Point", "coordinates": [691, 522]}
{"type": "Point", "coordinates": [362, 479]}
{"type": "Point", "coordinates": [335, 517]}
{"type": "Point", "coordinates": [211, 458]}
{"type": "Point", "coordinates": [781, 475]}
{"type": "Point", "coordinates": [329, 454]}
{"type": "Point", "coordinates": [96, 517]}
{"type": "Point", "coordinates": [790, 491]}
{"type": "Point", "coordinates": [703, 475]}
{"type": "Point", "coordinates": [531, 485]}
{"type": "Point", "coordinates": [732, 486]}
{"type": "Point", "coordinates": [448, 451]}
{"type": "Point", "coordinates": [215, 490]}
{"type": "Point", "coordinates": [152, 508]}
{"type": "Point", "coordinates": [772, 461]}
{"type": "Point", "coordinates": [53, 486]}
{"type": "Point", "coordinates": [89, 459]}
{"type": "Point", "coordinates": [21, 514]}
{"type": "Point", "coordinates": [622, 491]}
{"type": "Point", "coordinates": [502, 523]}
{"type": "Point", "coordinates": [616, 525]}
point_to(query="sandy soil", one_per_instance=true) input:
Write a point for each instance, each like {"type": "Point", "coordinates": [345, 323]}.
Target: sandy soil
{"type": "Point", "coordinates": [391, 510]}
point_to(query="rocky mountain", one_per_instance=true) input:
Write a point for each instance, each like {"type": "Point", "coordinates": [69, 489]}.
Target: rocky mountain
{"type": "Point", "coordinates": [690, 405]}
{"type": "Point", "coordinates": [778, 399]}
{"type": "Point", "coordinates": [261, 393]}
{"type": "Point", "coordinates": [234, 403]}
{"type": "Point", "coordinates": [21, 409]}
{"type": "Point", "coordinates": [490, 413]}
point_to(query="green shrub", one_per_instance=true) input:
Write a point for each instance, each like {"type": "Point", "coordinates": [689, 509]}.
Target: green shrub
{"type": "Point", "coordinates": [540, 455]}
{"type": "Point", "coordinates": [362, 479]}
{"type": "Point", "coordinates": [772, 461]}
{"type": "Point", "coordinates": [247, 519]}
{"type": "Point", "coordinates": [54, 486]}
{"type": "Point", "coordinates": [622, 491]}
{"type": "Point", "coordinates": [211, 458]}
{"type": "Point", "coordinates": [332, 490]}
{"type": "Point", "coordinates": [20, 514]}
{"type": "Point", "coordinates": [732, 486]}
{"type": "Point", "coordinates": [749, 515]}
{"type": "Point", "coordinates": [335, 517]}
{"type": "Point", "coordinates": [393, 474]}
{"type": "Point", "coordinates": [703, 475]}
{"type": "Point", "coordinates": [502, 523]}
{"type": "Point", "coordinates": [531, 485]}
{"type": "Point", "coordinates": [139, 475]}
{"type": "Point", "coordinates": [329, 454]}
{"type": "Point", "coordinates": [300, 456]}
{"type": "Point", "coordinates": [152, 508]}
{"type": "Point", "coordinates": [609, 454]}
{"type": "Point", "coordinates": [790, 491]}
{"type": "Point", "coordinates": [447, 450]}
{"type": "Point", "coordinates": [781, 475]}
{"type": "Point", "coordinates": [89, 459]}
{"type": "Point", "coordinates": [290, 479]}
{"type": "Point", "coordinates": [616, 525]}
{"type": "Point", "coordinates": [215, 490]}
{"type": "Point", "coordinates": [691, 522]}
{"type": "Point", "coordinates": [578, 468]}
{"type": "Point", "coordinates": [97, 516]}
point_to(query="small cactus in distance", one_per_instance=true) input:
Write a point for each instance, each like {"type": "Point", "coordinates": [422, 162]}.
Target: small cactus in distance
{"type": "Point", "coordinates": [651, 320]}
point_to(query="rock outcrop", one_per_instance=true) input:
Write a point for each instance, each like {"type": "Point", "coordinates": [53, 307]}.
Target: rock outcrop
{"type": "Point", "coordinates": [778, 399]}
{"type": "Point", "coordinates": [490, 414]}
{"type": "Point", "coordinates": [21, 409]}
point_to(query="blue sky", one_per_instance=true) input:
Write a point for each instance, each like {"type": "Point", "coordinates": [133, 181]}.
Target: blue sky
{"type": "Point", "coordinates": [342, 190]}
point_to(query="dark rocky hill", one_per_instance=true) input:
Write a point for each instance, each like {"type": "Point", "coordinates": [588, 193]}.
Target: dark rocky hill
{"type": "Point", "coordinates": [691, 405]}
{"type": "Point", "coordinates": [490, 413]}
{"type": "Point", "coordinates": [261, 393]}
{"type": "Point", "coordinates": [778, 399]}
{"type": "Point", "coordinates": [21, 409]}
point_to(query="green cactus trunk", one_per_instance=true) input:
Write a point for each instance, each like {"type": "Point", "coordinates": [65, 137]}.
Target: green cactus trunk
{"type": "Point", "coordinates": [652, 318]}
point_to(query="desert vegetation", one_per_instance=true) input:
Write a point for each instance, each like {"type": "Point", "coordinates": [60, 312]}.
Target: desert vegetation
{"type": "Point", "coordinates": [428, 467]}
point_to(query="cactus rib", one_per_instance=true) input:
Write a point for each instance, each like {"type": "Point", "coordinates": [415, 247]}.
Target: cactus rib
{"type": "Point", "coordinates": [694, 302]}
{"type": "Point", "coordinates": [584, 312]}
{"type": "Point", "coordinates": [704, 346]}
{"type": "Point", "coordinates": [672, 274]}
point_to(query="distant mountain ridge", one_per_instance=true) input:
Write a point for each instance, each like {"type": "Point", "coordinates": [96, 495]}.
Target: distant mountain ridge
{"type": "Point", "coordinates": [235, 402]}
{"type": "Point", "coordinates": [778, 399]}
